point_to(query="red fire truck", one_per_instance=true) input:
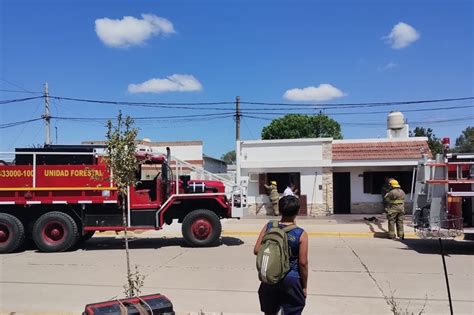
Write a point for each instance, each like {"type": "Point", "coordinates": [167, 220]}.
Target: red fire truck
{"type": "Point", "coordinates": [443, 195]}
{"type": "Point", "coordinates": [61, 195]}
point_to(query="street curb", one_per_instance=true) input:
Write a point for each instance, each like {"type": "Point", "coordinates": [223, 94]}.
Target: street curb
{"type": "Point", "coordinates": [39, 313]}
{"type": "Point", "coordinates": [256, 233]}
{"type": "Point", "coordinates": [324, 234]}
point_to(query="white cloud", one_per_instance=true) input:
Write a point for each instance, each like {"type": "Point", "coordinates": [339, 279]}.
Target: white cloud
{"type": "Point", "coordinates": [172, 83]}
{"type": "Point", "coordinates": [323, 92]}
{"type": "Point", "coordinates": [402, 35]}
{"type": "Point", "coordinates": [388, 66]}
{"type": "Point", "coordinates": [131, 31]}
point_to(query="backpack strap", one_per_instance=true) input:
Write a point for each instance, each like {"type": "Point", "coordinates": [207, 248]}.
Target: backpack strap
{"type": "Point", "coordinates": [274, 224]}
{"type": "Point", "coordinates": [289, 228]}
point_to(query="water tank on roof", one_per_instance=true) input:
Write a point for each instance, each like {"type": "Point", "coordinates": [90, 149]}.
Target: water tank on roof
{"type": "Point", "coordinates": [395, 120]}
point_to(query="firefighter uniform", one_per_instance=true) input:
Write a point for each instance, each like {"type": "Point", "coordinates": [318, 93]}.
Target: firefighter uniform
{"type": "Point", "coordinates": [395, 200]}
{"type": "Point", "coordinates": [272, 192]}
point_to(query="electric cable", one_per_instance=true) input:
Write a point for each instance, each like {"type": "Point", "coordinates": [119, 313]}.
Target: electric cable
{"type": "Point", "coordinates": [364, 104]}
{"type": "Point", "coordinates": [18, 123]}
{"type": "Point", "coordinates": [283, 112]}
{"type": "Point", "coordinates": [19, 100]}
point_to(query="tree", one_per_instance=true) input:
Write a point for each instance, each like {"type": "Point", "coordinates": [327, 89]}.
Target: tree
{"type": "Point", "coordinates": [295, 126]}
{"type": "Point", "coordinates": [122, 165]}
{"type": "Point", "coordinates": [434, 142]}
{"type": "Point", "coordinates": [465, 142]}
{"type": "Point", "coordinates": [229, 157]}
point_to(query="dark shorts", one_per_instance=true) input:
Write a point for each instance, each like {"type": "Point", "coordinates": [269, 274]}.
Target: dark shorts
{"type": "Point", "coordinates": [288, 295]}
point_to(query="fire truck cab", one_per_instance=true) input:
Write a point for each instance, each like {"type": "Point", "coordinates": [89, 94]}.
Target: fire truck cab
{"type": "Point", "coordinates": [61, 195]}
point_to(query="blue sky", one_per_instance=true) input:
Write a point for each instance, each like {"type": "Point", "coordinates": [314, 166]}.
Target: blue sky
{"type": "Point", "coordinates": [221, 49]}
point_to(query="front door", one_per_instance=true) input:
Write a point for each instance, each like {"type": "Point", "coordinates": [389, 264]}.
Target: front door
{"type": "Point", "coordinates": [342, 192]}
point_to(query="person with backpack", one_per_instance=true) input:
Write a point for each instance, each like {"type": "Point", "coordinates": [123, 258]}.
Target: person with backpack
{"type": "Point", "coordinates": [282, 262]}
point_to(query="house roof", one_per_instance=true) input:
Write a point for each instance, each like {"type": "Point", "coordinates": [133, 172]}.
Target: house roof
{"type": "Point", "coordinates": [380, 150]}
{"type": "Point", "coordinates": [207, 157]}
{"type": "Point", "coordinates": [152, 143]}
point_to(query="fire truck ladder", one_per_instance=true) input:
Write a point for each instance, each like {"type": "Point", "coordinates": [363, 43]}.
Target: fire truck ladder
{"type": "Point", "coordinates": [235, 193]}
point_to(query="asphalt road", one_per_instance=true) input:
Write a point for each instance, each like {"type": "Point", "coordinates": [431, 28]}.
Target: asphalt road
{"type": "Point", "coordinates": [347, 276]}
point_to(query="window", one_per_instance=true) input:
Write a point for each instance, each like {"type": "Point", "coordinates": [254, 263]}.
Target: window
{"type": "Point", "coordinates": [373, 181]}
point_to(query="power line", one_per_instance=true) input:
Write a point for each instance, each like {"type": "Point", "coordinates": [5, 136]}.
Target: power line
{"type": "Point", "coordinates": [137, 103]}
{"type": "Point", "coordinates": [16, 91]}
{"type": "Point", "coordinates": [19, 100]}
{"type": "Point", "coordinates": [17, 86]}
{"type": "Point", "coordinates": [178, 117]}
{"type": "Point", "coordinates": [18, 123]}
{"type": "Point", "coordinates": [432, 121]}
{"type": "Point", "coordinates": [284, 111]}
{"type": "Point", "coordinates": [367, 104]}
{"type": "Point", "coordinates": [291, 105]}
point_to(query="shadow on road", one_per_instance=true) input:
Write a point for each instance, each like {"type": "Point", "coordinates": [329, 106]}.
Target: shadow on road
{"type": "Point", "coordinates": [105, 243]}
{"type": "Point", "coordinates": [431, 246]}
{"type": "Point", "coordinates": [373, 223]}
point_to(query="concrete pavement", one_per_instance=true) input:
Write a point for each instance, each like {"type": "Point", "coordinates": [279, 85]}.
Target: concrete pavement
{"type": "Point", "coordinates": [348, 275]}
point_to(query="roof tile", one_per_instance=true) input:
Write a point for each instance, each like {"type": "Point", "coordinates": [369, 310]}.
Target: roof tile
{"type": "Point", "coordinates": [383, 150]}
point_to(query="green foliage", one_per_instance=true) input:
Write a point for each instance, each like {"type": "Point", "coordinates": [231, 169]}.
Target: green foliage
{"type": "Point", "coordinates": [398, 310]}
{"type": "Point", "coordinates": [122, 164]}
{"type": "Point", "coordinates": [295, 126]}
{"type": "Point", "coordinates": [433, 142]}
{"type": "Point", "coordinates": [120, 148]}
{"type": "Point", "coordinates": [229, 157]}
{"type": "Point", "coordinates": [135, 283]}
{"type": "Point", "coordinates": [465, 142]}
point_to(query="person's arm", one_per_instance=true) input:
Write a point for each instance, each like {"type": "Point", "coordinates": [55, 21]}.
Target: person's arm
{"type": "Point", "coordinates": [303, 261]}
{"type": "Point", "coordinates": [259, 240]}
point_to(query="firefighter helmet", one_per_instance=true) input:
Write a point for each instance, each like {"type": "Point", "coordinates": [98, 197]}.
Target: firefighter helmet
{"type": "Point", "coordinates": [394, 183]}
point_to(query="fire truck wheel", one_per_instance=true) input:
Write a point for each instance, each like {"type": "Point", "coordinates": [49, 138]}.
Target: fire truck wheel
{"type": "Point", "coordinates": [12, 233]}
{"type": "Point", "coordinates": [201, 228]}
{"type": "Point", "coordinates": [55, 232]}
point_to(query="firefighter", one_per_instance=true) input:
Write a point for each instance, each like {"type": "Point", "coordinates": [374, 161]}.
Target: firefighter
{"type": "Point", "coordinates": [272, 192]}
{"type": "Point", "coordinates": [395, 200]}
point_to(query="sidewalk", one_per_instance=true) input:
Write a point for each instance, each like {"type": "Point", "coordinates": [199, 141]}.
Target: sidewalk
{"type": "Point", "coordinates": [325, 226]}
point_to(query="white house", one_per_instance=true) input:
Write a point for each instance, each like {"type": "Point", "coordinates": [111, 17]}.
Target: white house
{"type": "Point", "coordinates": [304, 162]}
{"type": "Point", "coordinates": [359, 168]}
{"type": "Point", "coordinates": [333, 176]}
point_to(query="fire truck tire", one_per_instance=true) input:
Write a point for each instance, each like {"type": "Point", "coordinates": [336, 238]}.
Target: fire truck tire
{"type": "Point", "coordinates": [201, 228]}
{"type": "Point", "coordinates": [12, 233]}
{"type": "Point", "coordinates": [55, 232]}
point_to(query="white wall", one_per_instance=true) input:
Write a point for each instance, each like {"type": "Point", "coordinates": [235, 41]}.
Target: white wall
{"type": "Point", "coordinates": [283, 153]}
{"type": "Point", "coordinates": [304, 156]}
{"type": "Point", "coordinates": [357, 182]}
{"type": "Point", "coordinates": [184, 152]}
{"type": "Point", "coordinates": [310, 179]}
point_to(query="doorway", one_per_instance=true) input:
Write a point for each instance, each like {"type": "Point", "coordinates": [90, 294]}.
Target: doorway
{"type": "Point", "coordinates": [342, 192]}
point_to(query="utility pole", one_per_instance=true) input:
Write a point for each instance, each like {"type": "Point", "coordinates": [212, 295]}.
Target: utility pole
{"type": "Point", "coordinates": [46, 115]}
{"type": "Point", "coordinates": [237, 139]}
{"type": "Point", "coordinates": [237, 118]}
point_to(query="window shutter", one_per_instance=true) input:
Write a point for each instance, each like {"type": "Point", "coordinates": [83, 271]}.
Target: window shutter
{"type": "Point", "coordinates": [367, 182]}
{"type": "Point", "coordinates": [262, 180]}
